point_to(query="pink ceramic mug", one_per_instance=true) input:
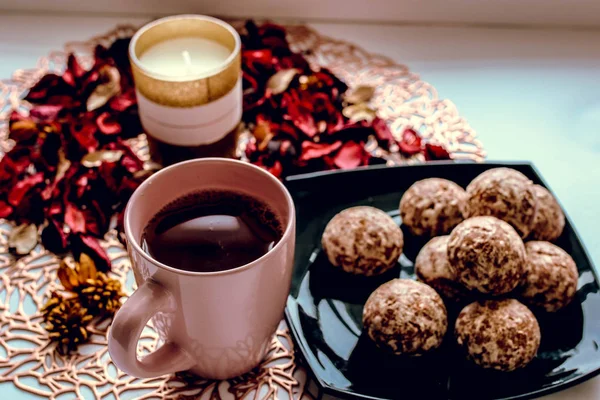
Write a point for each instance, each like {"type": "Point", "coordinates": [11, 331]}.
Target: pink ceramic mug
{"type": "Point", "coordinates": [216, 324]}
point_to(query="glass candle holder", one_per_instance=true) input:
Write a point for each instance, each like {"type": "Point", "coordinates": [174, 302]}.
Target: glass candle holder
{"type": "Point", "coordinates": [187, 73]}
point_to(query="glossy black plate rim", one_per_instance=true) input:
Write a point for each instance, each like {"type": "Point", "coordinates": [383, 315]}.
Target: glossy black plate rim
{"type": "Point", "coordinates": [300, 340]}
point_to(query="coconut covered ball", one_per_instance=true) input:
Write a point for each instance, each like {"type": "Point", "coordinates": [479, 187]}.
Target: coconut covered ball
{"type": "Point", "coordinates": [487, 255]}
{"type": "Point", "coordinates": [505, 194]}
{"type": "Point", "coordinates": [405, 317]}
{"type": "Point", "coordinates": [363, 240]}
{"type": "Point", "coordinates": [498, 334]}
{"type": "Point", "coordinates": [549, 220]}
{"type": "Point", "coordinates": [433, 207]}
{"type": "Point", "coordinates": [550, 280]}
{"type": "Point", "coordinates": [432, 267]}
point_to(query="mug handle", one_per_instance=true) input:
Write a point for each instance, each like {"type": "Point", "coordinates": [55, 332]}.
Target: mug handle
{"type": "Point", "coordinates": [126, 330]}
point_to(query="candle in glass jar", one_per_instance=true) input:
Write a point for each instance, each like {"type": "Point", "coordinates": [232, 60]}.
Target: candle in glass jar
{"type": "Point", "coordinates": [181, 58]}
{"type": "Point", "coordinates": [187, 73]}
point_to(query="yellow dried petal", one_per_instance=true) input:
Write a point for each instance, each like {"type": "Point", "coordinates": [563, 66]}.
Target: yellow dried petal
{"type": "Point", "coordinates": [68, 276]}
{"type": "Point", "coordinates": [87, 267]}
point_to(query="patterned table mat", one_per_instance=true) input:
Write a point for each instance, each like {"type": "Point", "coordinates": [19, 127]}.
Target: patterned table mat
{"type": "Point", "coordinates": [27, 358]}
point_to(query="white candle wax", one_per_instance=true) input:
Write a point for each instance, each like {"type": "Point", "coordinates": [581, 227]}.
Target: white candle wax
{"type": "Point", "coordinates": [184, 58]}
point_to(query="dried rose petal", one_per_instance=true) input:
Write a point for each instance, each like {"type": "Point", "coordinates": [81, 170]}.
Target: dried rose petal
{"type": "Point", "coordinates": [382, 131]}
{"type": "Point", "coordinates": [14, 164]}
{"type": "Point", "coordinates": [5, 209]}
{"type": "Point", "coordinates": [300, 113]}
{"type": "Point", "coordinates": [84, 134]}
{"type": "Point", "coordinates": [276, 169]}
{"type": "Point", "coordinates": [435, 152]}
{"type": "Point", "coordinates": [123, 101]}
{"type": "Point", "coordinates": [107, 124]}
{"type": "Point", "coordinates": [74, 71]}
{"type": "Point", "coordinates": [351, 155]}
{"type": "Point", "coordinates": [312, 150]}
{"type": "Point", "coordinates": [49, 86]}
{"type": "Point", "coordinates": [23, 186]}
{"type": "Point", "coordinates": [410, 143]}
{"type": "Point", "coordinates": [45, 112]}
{"type": "Point", "coordinates": [83, 244]}
{"type": "Point", "coordinates": [54, 238]}
{"type": "Point", "coordinates": [55, 208]}
{"type": "Point", "coordinates": [74, 219]}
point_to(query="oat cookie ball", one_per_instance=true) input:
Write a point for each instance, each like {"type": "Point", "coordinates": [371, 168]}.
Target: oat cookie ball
{"type": "Point", "coordinates": [363, 240]}
{"type": "Point", "coordinates": [432, 267]}
{"type": "Point", "coordinates": [405, 317]}
{"type": "Point", "coordinates": [498, 334]}
{"type": "Point", "coordinates": [487, 255]}
{"type": "Point", "coordinates": [549, 220]}
{"type": "Point", "coordinates": [505, 194]}
{"type": "Point", "coordinates": [550, 280]}
{"type": "Point", "coordinates": [433, 206]}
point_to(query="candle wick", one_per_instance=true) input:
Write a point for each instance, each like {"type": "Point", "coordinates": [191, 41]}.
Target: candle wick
{"type": "Point", "coordinates": [187, 59]}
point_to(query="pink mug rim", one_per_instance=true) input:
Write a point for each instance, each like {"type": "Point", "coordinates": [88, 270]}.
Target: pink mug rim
{"type": "Point", "coordinates": [132, 241]}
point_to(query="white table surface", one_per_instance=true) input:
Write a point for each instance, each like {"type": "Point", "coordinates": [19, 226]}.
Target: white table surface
{"type": "Point", "coordinates": [531, 94]}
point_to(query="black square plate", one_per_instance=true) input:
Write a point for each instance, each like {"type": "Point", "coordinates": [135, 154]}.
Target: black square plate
{"type": "Point", "coordinates": [324, 309]}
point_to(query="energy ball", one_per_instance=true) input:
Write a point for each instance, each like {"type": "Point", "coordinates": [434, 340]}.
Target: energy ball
{"type": "Point", "coordinates": [405, 317]}
{"type": "Point", "coordinates": [363, 240]}
{"type": "Point", "coordinates": [550, 280]}
{"type": "Point", "coordinates": [549, 220]}
{"type": "Point", "coordinates": [432, 267]}
{"type": "Point", "coordinates": [487, 255]}
{"type": "Point", "coordinates": [498, 334]}
{"type": "Point", "coordinates": [506, 194]}
{"type": "Point", "coordinates": [433, 207]}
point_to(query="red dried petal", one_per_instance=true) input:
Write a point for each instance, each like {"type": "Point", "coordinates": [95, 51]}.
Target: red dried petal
{"type": "Point", "coordinates": [49, 85]}
{"type": "Point", "coordinates": [127, 188]}
{"type": "Point", "coordinates": [382, 131]}
{"type": "Point", "coordinates": [56, 208]}
{"type": "Point", "coordinates": [312, 150]}
{"type": "Point", "coordinates": [435, 152]}
{"type": "Point", "coordinates": [257, 61]}
{"type": "Point", "coordinates": [54, 237]}
{"type": "Point", "coordinates": [123, 101]}
{"type": "Point", "coordinates": [74, 219]}
{"type": "Point", "coordinates": [45, 112]}
{"type": "Point", "coordinates": [107, 124]}
{"type": "Point", "coordinates": [410, 143]}
{"type": "Point", "coordinates": [14, 164]}
{"type": "Point", "coordinates": [74, 71]}
{"type": "Point", "coordinates": [299, 111]}
{"type": "Point", "coordinates": [23, 186]}
{"type": "Point", "coordinates": [129, 160]}
{"type": "Point", "coordinates": [351, 155]}
{"type": "Point", "coordinates": [276, 169]}
{"type": "Point", "coordinates": [91, 247]}
{"type": "Point", "coordinates": [85, 135]}
{"type": "Point", "coordinates": [5, 209]}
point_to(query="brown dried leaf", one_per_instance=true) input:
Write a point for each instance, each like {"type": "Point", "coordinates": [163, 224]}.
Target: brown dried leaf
{"type": "Point", "coordinates": [280, 81]}
{"type": "Point", "coordinates": [263, 134]}
{"type": "Point", "coordinates": [23, 238]}
{"type": "Point", "coordinates": [63, 165]}
{"type": "Point", "coordinates": [359, 112]}
{"type": "Point", "coordinates": [105, 91]}
{"type": "Point", "coordinates": [359, 94]}
{"type": "Point", "coordinates": [96, 158]}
